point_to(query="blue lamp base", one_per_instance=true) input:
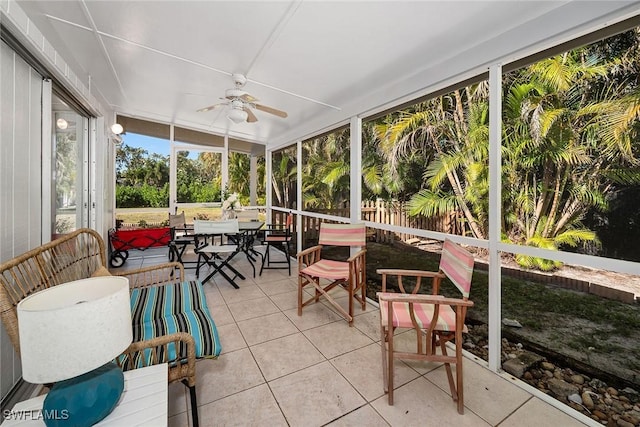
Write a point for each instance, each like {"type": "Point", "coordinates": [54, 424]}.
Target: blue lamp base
{"type": "Point", "coordinates": [84, 400]}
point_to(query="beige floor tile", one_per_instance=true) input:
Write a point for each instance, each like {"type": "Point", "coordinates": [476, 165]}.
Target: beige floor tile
{"type": "Point", "coordinates": [313, 315]}
{"type": "Point", "coordinates": [336, 338]}
{"type": "Point", "coordinates": [252, 308]}
{"type": "Point", "coordinates": [286, 301]}
{"type": "Point", "coordinates": [221, 315]}
{"type": "Point", "coordinates": [180, 420]}
{"type": "Point", "coordinates": [253, 407]}
{"type": "Point", "coordinates": [277, 287]}
{"type": "Point", "coordinates": [364, 416]}
{"type": "Point", "coordinates": [177, 398]}
{"type": "Point", "coordinates": [266, 328]}
{"type": "Point", "coordinates": [214, 297]}
{"type": "Point", "coordinates": [227, 375]}
{"type": "Point", "coordinates": [482, 389]}
{"type": "Point", "coordinates": [285, 355]}
{"type": "Point", "coordinates": [369, 323]}
{"type": "Point", "coordinates": [310, 391]}
{"type": "Point", "coordinates": [245, 293]}
{"type": "Point", "coordinates": [421, 402]}
{"type": "Point", "coordinates": [315, 396]}
{"type": "Point", "coordinates": [271, 275]}
{"type": "Point", "coordinates": [363, 369]}
{"type": "Point", "coordinates": [231, 338]}
{"type": "Point", "coordinates": [536, 413]}
{"type": "Point", "coordinates": [341, 297]}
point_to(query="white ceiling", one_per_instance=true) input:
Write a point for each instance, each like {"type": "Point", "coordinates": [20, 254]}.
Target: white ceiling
{"type": "Point", "coordinates": [321, 61]}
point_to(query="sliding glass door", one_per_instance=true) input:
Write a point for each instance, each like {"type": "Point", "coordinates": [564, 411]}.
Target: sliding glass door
{"type": "Point", "coordinates": [70, 168]}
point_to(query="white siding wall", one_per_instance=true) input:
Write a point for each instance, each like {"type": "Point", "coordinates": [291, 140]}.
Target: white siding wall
{"type": "Point", "coordinates": [20, 177]}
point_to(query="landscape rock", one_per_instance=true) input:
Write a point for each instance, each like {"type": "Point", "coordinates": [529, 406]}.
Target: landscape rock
{"type": "Point", "coordinates": [575, 398]}
{"type": "Point", "coordinates": [623, 423]}
{"type": "Point", "coordinates": [515, 367]}
{"type": "Point", "coordinates": [511, 322]}
{"type": "Point", "coordinates": [547, 366]}
{"type": "Point", "coordinates": [561, 388]}
{"type": "Point", "coordinates": [600, 415]}
{"type": "Point", "coordinates": [587, 401]}
{"type": "Point", "coordinates": [521, 363]}
{"type": "Point", "coordinates": [577, 379]}
{"type": "Point", "coordinates": [597, 384]}
{"type": "Point", "coordinates": [631, 394]}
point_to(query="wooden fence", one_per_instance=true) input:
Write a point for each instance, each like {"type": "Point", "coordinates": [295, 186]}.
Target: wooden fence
{"type": "Point", "coordinates": [391, 213]}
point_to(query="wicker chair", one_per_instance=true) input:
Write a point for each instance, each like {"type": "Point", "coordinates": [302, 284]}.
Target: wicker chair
{"type": "Point", "coordinates": [81, 255]}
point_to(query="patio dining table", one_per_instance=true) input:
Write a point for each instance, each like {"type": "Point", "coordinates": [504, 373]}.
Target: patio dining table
{"type": "Point", "coordinates": [249, 232]}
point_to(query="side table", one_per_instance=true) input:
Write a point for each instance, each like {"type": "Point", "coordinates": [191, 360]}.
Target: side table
{"type": "Point", "coordinates": [144, 402]}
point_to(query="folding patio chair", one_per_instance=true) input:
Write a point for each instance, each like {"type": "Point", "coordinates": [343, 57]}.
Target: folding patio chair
{"type": "Point", "coordinates": [181, 237]}
{"type": "Point", "coordinates": [436, 318]}
{"type": "Point", "coordinates": [277, 236]}
{"type": "Point", "coordinates": [349, 275]}
{"type": "Point", "coordinates": [216, 249]}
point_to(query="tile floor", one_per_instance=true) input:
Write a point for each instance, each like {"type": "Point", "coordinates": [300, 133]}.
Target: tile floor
{"type": "Point", "coordinates": [280, 369]}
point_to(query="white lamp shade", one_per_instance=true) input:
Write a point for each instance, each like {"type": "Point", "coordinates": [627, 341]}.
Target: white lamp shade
{"type": "Point", "coordinates": [237, 115]}
{"type": "Point", "coordinates": [70, 329]}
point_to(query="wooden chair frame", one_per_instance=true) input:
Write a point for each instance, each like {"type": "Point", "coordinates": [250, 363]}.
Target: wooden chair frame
{"type": "Point", "coordinates": [394, 303]}
{"type": "Point", "coordinates": [355, 281]}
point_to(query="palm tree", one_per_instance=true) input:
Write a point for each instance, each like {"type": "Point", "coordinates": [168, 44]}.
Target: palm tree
{"type": "Point", "coordinates": [325, 173]}
{"type": "Point", "coordinates": [284, 177]}
{"type": "Point", "coordinates": [564, 146]}
{"type": "Point", "coordinates": [453, 131]}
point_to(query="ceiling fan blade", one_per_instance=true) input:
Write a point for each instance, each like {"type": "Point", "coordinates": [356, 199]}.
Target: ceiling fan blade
{"type": "Point", "coordinates": [249, 98]}
{"type": "Point", "coordinates": [209, 108]}
{"type": "Point", "coordinates": [271, 110]}
{"type": "Point", "coordinates": [251, 118]}
{"type": "Point", "coordinates": [244, 97]}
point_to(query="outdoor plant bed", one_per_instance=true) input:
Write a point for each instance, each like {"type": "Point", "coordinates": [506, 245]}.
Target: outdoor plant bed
{"type": "Point", "coordinates": [583, 331]}
{"type": "Point", "coordinates": [610, 403]}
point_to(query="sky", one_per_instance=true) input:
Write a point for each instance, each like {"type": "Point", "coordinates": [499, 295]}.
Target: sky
{"type": "Point", "coordinates": [149, 143]}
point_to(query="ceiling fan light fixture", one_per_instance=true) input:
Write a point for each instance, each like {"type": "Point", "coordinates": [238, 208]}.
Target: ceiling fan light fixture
{"type": "Point", "coordinates": [237, 115]}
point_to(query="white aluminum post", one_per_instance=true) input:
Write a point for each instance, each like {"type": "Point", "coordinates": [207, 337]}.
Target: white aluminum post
{"type": "Point", "coordinates": [253, 179]}
{"type": "Point", "coordinates": [225, 163]}
{"type": "Point", "coordinates": [48, 208]}
{"type": "Point", "coordinates": [299, 206]}
{"type": "Point", "coordinates": [355, 172]}
{"type": "Point", "coordinates": [495, 213]}
{"type": "Point", "coordinates": [268, 154]}
{"type": "Point", "coordinates": [173, 172]}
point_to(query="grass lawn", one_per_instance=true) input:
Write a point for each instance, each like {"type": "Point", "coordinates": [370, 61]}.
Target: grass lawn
{"type": "Point", "coordinates": [158, 215]}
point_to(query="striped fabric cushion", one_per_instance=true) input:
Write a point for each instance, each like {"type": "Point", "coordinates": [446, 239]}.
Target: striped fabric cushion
{"type": "Point", "coordinates": [457, 263]}
{"type": "Point", "coordinates": [182, 307]}
{"type": "Point", "coordinates": [277, 238]}
{"type": "Point", "coordinates": [423, 313]}
{"type": "Point", "coordinates": [328, 269]}
{"type": "Point", "coordinates": [342, 234]}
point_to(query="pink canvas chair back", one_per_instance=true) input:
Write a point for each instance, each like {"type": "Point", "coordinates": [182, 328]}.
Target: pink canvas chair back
{"type": "Point", "coordinates": [342, 234]}
{"type": "Point", "coordinates": [457, 263]}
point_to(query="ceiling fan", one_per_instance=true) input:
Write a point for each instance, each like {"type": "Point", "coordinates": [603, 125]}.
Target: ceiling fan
{"type": "Point", "coordinates": [241, 103]}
